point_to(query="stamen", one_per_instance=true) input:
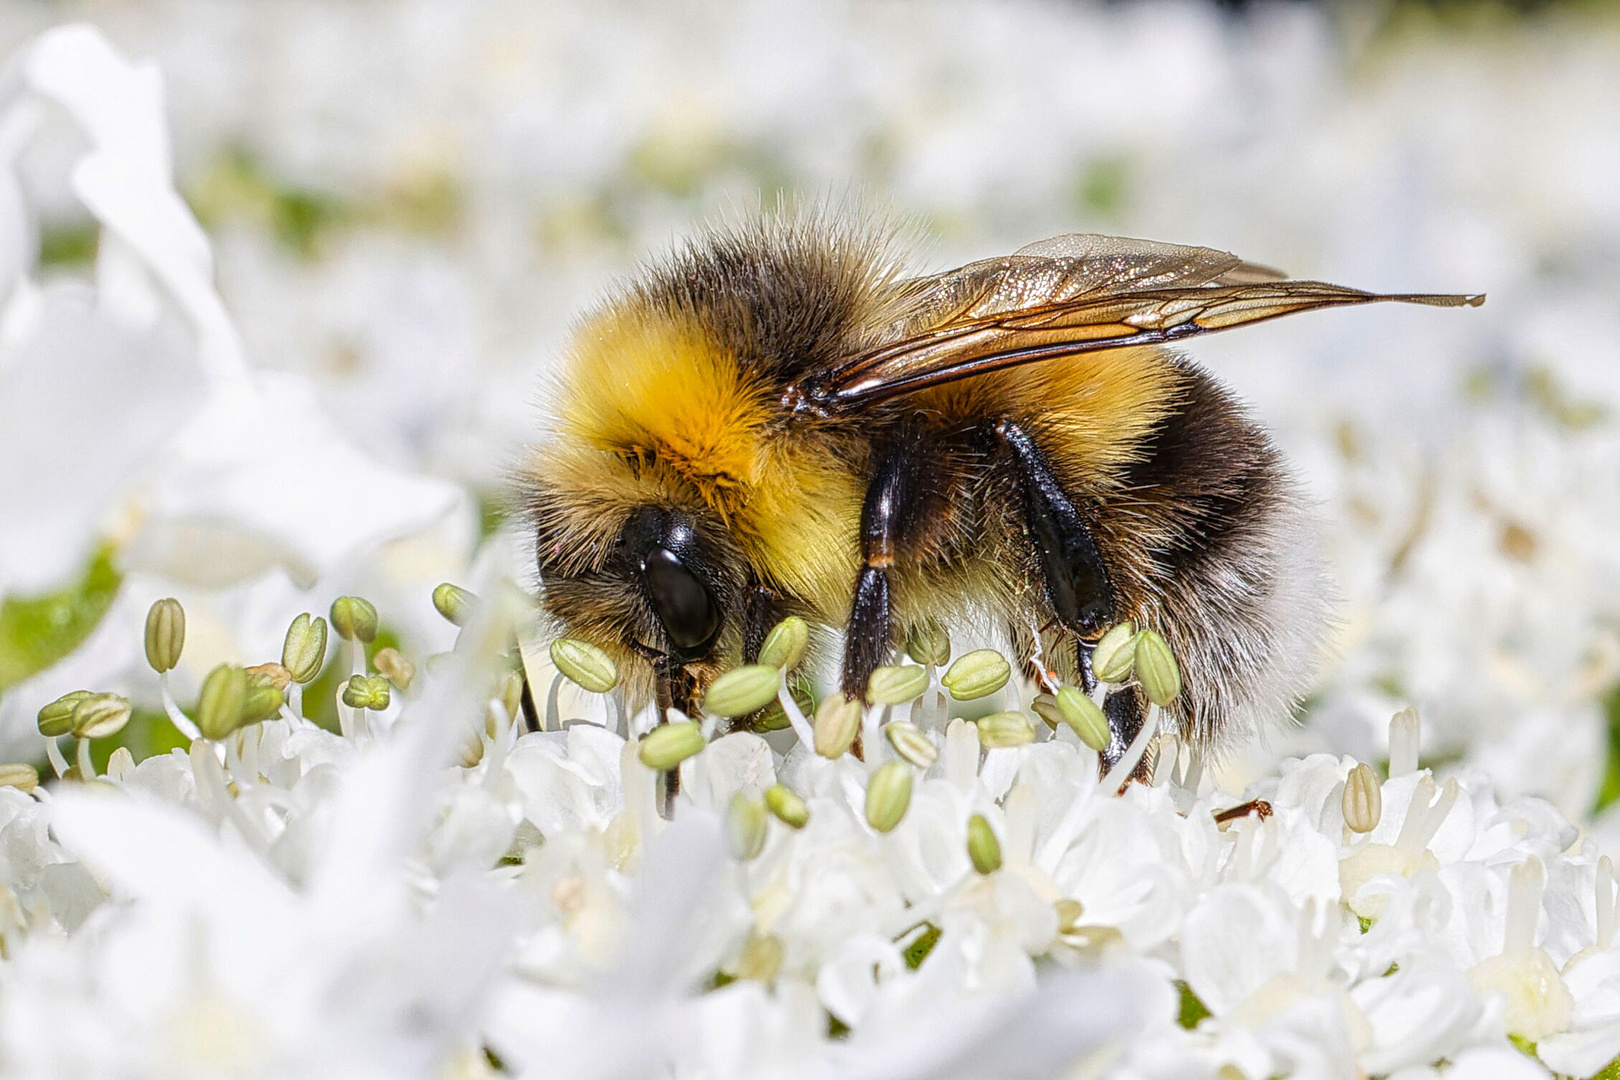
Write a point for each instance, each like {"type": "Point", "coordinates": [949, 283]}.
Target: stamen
{"type": "Point", "coordinates": [961, 754]}
{"type": "Point", "coordinates": [796, 718]}
{"type": "Point", "coordinates": [1605, 902]}
{"type": "Point", "coordinates": [1523, 906]}
{"type": "Point", "coordinates": [1405, 738]}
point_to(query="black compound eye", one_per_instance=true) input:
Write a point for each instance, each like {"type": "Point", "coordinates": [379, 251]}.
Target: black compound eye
{"type": "Point", "coordinates": [682, 602]}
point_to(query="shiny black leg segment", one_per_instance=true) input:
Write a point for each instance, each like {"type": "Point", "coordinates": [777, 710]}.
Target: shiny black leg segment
{"type": "Point", "coordinates": [866, 641]}
{"type": "Point", "coordinates": [1077, 582]}
{"type": "Point", "coordinates": [674, 689]}
{"type": "Point", "coordinates": [1126, 710]}
{"type": "Point", "coordinates": [888, 518]}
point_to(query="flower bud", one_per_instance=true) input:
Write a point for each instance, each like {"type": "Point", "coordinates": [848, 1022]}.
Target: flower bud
{"type": "Point", "coordinates": [165, 634]}
{"type": "Point", "coordinates": [745, 827]}
{"type": "Point", "coordinates": [1156, 668]}
{"type": "Point", "coordinates": [789, 808]}
{"type": "Point", "coordinates": [1085, 717]}
{"type": "Point", "coordinates": [742, 690]}
{"type": "Point", "coordinates": [929, 644]}
{"type": "Point", "coordinates": [1115, 653]}
{"type": "Point", "coordinates": [100, 715]}
{"type": "Point", "coordinates": [978, 674]}
{"type": "Point", "coordinates": [1069, 913]}
{"type": "Point", "coordinates": [585, 664]}
{"type": "Point", "coordinates": [910, 743]}
{"type": "Point", "coordinates": [367, 692]}
{"type": "Point", "coordinates": [304, 651]}
{"type": "Point", "coordinates": [57, 718]}
{"type": "Point", "coordinates": [888, 794]}
{"type": "Point", "coordinates": [761, 958]}
{"type": "Point", "coordinates": [838, 718]}
{"type": "Point", "coordinates": [24, 778]}
{"type": "Point", "coordinates": [393, 666]}
{"type": "Point", "coordinates": [353, 618]}
{"type": "Point", "coordinates": [276, 675]}
{"type": "Point", "coordinates": [1363, 801]}
{"type": "Point", "coordinates": [983, 847]}
{"type": "Point", "coordinates": [896, 684]}
{"type": "Point", "coordinates": [454, 603]}
{"type": "Point", "coordinates": [785, 645]}
{"type": "Point", "coordinates": [1001, 730]}
{"type": "Point", "coordinates": [666, 746]}
{"type": "Point", "coordinates": [222, 701]}
{"type": "Point", "coordinates": [509, 691]}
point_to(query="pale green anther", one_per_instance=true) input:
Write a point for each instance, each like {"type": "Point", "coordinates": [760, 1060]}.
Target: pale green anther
{"type": "Point", "coordinates": [165, 634]}
{"type": "Point", "coordinates": [1001, 730]}
{"type": "Point", "coordinates": [788, 807]}
{"type": "Point", "coordinates": [837, 720]}
{"type": "Point", "coordinates": [888, 794]}
{"type": "Point", "coordinates": [666, 746]}
{"type": "Point", "coordinates": [393, 666]}
{"type": "Point", "coordinates": [222, 702]}
{"type": "Point", "coordinates": [775, 718]}
{"type": "Point", "coordinates": [367, 692]}
{"type": "Point", "coordinates": [1085, 717]}
{"type": "Point", "coordinates": [1156, 668]}
{"type": "Point", "coordinates": [57, 718]}
{"type": "Point", "coordinates": [1114, 653]}
{"type": "Point", "coordinates": [977, 674]}
{"type": "Point", "coordinates": [1069, 913]}
{"type": "Point", "coordinates": [354, 619]}
{"type": "Point", "coordinates": [454, 603]}
{"type": "Point", "coordinates": [276, 675]}
{"type": "Point", "coordinates": [785, 645]}
{"type": "Point", "coordinates": [100, 715]}
{"type": "Point", "coordinates": [304, 650]}
{"type": "Point", "coordinates": [929, 644]}
{"type": "Point", "coordinates": [983, 847]}
{"type": "Point", "coordinates": [22, 777]}
{"type": "Point", "coordinates": [745, 827]}
{"type": "Point", "coordinates": [585, 664]}
{"type": "Point", "coordinates": [1363, 801]}
{"type": "Point", "coordinates": [263, 700]}
{"type": "Point", "coordinates": [742, 690]}
{"type": "Point", "coordinates": [910, 743]}
{"type": "Point", "coordinates": [896, 684]}
{"type": "Point", "coordinates": [1045, 706]}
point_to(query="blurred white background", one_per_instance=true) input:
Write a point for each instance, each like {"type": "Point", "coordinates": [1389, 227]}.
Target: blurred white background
{"type": "Point", "coordinates": [408, 202]}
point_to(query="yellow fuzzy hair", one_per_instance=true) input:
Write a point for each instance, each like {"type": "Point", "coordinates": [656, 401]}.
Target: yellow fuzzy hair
{"type": "Point", "coordinates": [652, 409]}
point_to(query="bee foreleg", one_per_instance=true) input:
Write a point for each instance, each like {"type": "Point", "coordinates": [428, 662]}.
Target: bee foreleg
{"type": "Point", "coordinates": [761, 611]}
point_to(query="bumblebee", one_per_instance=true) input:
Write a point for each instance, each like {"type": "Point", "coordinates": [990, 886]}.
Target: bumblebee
{"type": "Point", "coordinates": [777, 419]}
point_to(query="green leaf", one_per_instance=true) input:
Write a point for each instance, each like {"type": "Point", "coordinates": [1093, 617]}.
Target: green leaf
{"type": "Point", "coordinates": [36, 632]}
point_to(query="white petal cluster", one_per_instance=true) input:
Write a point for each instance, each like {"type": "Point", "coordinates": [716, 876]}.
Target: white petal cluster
{"type": "Point", "coordinates": [297, 902]}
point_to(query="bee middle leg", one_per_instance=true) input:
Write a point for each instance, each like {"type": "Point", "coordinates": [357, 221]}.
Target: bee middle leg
{"type": "Point", "coordinates": [1077, 583]}
{"type": "Point", "coordinates": [889, 518]}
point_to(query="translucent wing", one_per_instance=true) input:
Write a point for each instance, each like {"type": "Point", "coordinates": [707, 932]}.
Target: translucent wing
{"type": "Point", "coordinates": [1071, 294]}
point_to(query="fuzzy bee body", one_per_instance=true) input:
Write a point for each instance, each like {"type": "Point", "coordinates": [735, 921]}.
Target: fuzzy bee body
{"type": "Point", "coordinates": [775, 421]}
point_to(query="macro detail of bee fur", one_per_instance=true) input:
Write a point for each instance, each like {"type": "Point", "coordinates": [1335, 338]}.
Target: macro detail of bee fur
{"type": "Point", "coordinates": [777, 419]}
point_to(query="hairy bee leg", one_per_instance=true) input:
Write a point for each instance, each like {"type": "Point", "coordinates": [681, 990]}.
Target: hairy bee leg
{"type": "Point", "coordinates": [887, 517]}
{"type": "Point", "coordinates": [673, 689]}
{"type": "Point", "coordinates": [761, 611]}
{"type": "Point", "coordinates": [1126, 710]}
